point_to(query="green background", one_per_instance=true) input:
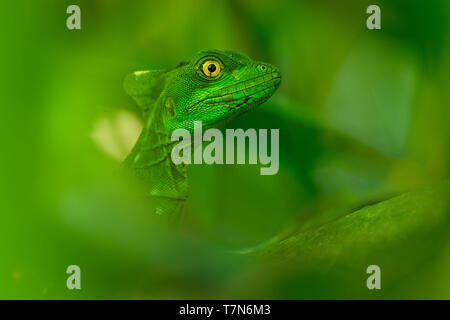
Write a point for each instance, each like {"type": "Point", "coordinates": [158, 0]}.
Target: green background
{"type": "Point", "coordinates": [363, 116]}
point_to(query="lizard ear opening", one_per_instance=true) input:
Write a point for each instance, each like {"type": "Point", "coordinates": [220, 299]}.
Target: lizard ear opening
{"type": "Point", "coordinates": [170, 108]}
{"type": "Point", "coordinates": [144, 87]}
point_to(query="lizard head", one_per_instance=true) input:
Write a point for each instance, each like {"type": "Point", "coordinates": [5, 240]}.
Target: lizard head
{"type": "Point", "coordinates": [215, 86]}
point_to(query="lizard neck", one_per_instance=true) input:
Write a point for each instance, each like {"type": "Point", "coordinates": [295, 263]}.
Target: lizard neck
{"type": "Point", "coordinates": [150, 160]}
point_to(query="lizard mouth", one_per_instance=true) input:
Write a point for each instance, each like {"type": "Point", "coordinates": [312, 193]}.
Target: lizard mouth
{"type": "Point", "coordinates": [234, 96]}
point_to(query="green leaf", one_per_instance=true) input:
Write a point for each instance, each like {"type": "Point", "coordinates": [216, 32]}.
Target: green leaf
{"type": "Point", "coordinates": [401, 222]}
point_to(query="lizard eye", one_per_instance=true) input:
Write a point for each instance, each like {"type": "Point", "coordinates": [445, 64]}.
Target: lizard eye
{"type": "Point", "coordinates": [211, 68]}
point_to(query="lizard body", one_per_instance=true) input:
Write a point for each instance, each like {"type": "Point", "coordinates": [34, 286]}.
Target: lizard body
{"type": "Point", "coordinates": [214, 87]}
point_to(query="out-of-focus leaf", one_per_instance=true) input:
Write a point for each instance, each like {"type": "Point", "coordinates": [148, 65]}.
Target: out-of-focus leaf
{"type": "Point", "coordinates": [372, 94]}
{"type": "Point", "coordinates": [383, 225]}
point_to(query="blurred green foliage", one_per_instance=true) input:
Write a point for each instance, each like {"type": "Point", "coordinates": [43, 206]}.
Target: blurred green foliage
{"type": "Point", "coordinates": [363, 116]}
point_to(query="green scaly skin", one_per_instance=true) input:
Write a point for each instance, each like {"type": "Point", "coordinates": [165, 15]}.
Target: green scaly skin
{"type": "Point", "coordinates": [177, 97]}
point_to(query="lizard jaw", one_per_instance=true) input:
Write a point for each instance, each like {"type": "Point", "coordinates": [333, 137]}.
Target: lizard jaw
{"type": "Point", "coordinates": [236, 95]}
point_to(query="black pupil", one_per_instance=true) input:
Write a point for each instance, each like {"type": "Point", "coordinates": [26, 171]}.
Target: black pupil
{"type": "Point", "coordinates": [212, 68]}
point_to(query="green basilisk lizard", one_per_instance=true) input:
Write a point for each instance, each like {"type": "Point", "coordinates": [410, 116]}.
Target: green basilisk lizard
{"type": "Point", "coordinates": [214, 87]}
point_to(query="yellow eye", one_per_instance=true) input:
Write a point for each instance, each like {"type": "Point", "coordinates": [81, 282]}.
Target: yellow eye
{"type": "Point", "coordinates": [211, 68]}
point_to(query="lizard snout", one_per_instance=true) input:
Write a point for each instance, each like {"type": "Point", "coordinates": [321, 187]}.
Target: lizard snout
{"type": "Point", "coordinates": [272, 73]}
